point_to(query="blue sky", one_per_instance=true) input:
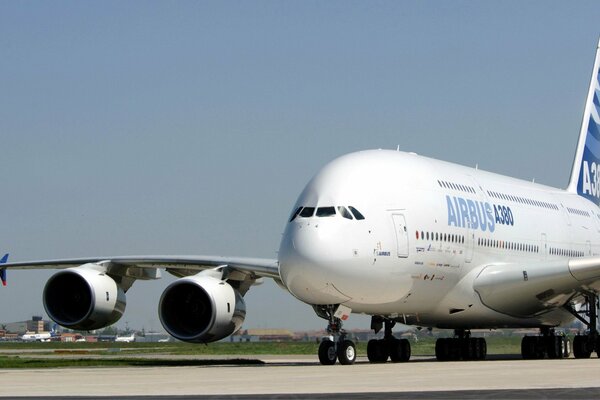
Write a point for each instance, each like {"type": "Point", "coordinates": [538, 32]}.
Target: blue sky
{"type": "Point", "coordinates": [191, 127]}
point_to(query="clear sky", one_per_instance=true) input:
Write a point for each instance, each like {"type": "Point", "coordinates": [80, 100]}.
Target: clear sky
{"type": "Point", "coordinates": [190, 127]}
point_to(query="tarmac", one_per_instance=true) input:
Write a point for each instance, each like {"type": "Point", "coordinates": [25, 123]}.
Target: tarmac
{"type": "Point", "coordinates": [303, 377]}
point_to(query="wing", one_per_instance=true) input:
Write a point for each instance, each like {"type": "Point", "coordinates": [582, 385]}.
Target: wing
{"type": "Point", "coordinates": [525, 290]}
{"type": "Point", "coordinates": [148, 267]}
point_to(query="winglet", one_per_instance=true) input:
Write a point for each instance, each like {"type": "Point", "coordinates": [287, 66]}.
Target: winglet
{"type": "Point", "coordinates": [3, 270]}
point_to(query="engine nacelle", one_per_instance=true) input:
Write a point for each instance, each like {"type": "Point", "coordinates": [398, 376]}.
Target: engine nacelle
{"type": "Point", "coordinates": [83, 298]}
{"type": "Point", "coordinates": [201, 308]}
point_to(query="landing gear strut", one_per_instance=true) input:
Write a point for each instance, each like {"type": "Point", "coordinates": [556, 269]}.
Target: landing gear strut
{"type": "Point", "coordinates": [379, 350]}
{"type": "Point", "coordinates": [339, 348]}
{"type": "Point", "coordinates": [460, 347]}
{"type": "Point", "coordinates": [584, 345]}
{"type": "Point", "coordinates": [548, 343]}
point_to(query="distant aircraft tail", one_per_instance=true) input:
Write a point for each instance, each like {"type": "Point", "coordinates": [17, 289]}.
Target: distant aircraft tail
{"type": "Point", "coordinates": [585, 175]}
{"type": "Point", "coordinates": [4, 260]}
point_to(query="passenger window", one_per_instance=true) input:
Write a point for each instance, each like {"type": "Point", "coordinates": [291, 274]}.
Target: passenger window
{"type": "Point", "coordinates": [307, 212]}
{"type": "Point", "coordinates": [356, 213]}
{"type": "Point", "coordinates": [344, 212]}
{"type": "Point", "coordinates": [325, 211]}
{"type": "Point", "coordinates": [295, 214]}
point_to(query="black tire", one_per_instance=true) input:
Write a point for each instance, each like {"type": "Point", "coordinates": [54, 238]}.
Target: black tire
{"type": "Point", "coordinates": [481, 349]}
{"type": "Point", "coordinates": [468, 349]}
{"type": "Point", "coordinates": [528, 347]}
{"type": "Point", "coordinates": [554, 347]}
{"type": "Point", "coordinates": [442, 349]}
{"type": "Point", "coordinates": [327, 355]}
{"type": "Point", "coordinates": [377, 351]}
{"type": "Point", "coordinates": [399, 350]}
{"type": "Point", "coordinates": [346, 352]}
{"type": "Point", "coordinates": [406, 351]}
{"type": "Point", "coordinates": [581, 348]}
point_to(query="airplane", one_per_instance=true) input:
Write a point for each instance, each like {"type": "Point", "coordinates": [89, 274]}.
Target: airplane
{"type": "Point", "coordinates": [397, 236]}
{"type": "Point", "coordinates": [39, 337]}
{"type": "Point", "coordinates": [125, 339]}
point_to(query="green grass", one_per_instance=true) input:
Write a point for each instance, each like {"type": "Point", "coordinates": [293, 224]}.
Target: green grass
{"type": "Point", "coordinates": [124, 354]}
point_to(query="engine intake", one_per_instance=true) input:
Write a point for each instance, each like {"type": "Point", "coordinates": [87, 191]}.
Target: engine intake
{"type": "Point", "coordinates": [83, 298]}
{"type": "Point", "coordinates": [201, 308]}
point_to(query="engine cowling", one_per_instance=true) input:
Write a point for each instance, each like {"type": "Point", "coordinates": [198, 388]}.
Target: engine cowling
{"type": "Point", "coordinates": [83, 298]}
{"type": "Point", "coordinates": [201, 309]}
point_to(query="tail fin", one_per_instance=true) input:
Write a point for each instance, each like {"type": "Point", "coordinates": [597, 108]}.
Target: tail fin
{"type": "Point", "coordinates": [4, 260]}
{"type": "Point", "coordinates": [585, 175]}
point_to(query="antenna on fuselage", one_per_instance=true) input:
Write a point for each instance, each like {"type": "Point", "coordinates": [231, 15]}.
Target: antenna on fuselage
{"type": "Point", "coordinates": [398, 148]}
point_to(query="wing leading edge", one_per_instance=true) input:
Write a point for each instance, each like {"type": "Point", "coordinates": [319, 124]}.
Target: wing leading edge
{"type": "Point", "coordinates": [144, 267]}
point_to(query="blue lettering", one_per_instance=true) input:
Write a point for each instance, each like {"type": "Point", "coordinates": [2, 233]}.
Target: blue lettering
{"type": "Point", "coordinates": [464, 212]}
{"type": "Point", "coordinates": [482, 216]}
{"type": "Point", "coordinates": [473, 214]}
{"type": "Point", "coordinates": [452, 220]}
{"type": "Point", "coordinates": [490, 217]}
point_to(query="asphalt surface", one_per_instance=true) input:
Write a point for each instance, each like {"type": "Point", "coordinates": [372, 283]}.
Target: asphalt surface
{"type": "Point", "coordinates": [298, 377]}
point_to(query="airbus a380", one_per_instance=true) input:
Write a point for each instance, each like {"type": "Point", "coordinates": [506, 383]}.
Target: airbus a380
{"type": "Point", "coordinates": [397, 236]}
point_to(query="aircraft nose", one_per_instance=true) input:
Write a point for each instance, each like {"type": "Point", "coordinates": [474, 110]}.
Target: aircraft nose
{"type": "Point", "coordinates": [309, 258]}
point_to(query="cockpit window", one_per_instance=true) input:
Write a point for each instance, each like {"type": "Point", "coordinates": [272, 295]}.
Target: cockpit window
{"type": "Point", "coordinates": [325, 211]}
{"type": "Point", "coordinates": [307, 212]}
{"type": "Point", "coordinates": [295, 214]}
{"type": "Point", "coordinates": [344, 212]}
{"type": "Point", "coordinates": [356, 213]}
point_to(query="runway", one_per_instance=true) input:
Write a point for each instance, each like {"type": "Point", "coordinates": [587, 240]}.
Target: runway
{"type": "Point", "coordinates": [303, 377]}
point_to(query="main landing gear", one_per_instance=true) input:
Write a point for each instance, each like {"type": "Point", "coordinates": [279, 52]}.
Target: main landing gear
{"type": "Point", "coordinates": [379, 350]}
{"type": "Point", "coordinates": [548, 344]}
{"type": "Point", "coordinates": [584, 345]}
{"type": "Point", "coordinates": [460, 347]}
{"type": "Point", "coordinates": [340, 348]}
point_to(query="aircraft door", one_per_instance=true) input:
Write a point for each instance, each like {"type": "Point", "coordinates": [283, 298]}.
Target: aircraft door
{"type": "Point", "coordinates": [401, 234]}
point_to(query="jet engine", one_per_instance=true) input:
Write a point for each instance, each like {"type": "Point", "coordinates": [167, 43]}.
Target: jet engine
{"type": "Point", "coordinates": [84, 298]}
{"type": "Point", "coordinates": [201, 308]}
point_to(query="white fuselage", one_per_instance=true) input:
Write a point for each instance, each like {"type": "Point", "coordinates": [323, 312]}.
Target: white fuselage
{"type": "Point", "coordinates": [429, 229]}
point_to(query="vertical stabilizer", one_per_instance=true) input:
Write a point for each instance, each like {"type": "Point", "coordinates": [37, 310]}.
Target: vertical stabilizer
{"type": "Point", "coordinates": [4, 260]}
{"type": "Point", "coordinates": [585, 175]}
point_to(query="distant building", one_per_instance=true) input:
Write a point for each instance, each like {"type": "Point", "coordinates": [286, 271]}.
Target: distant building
{"type": "Point", "coordinates": [36, 324]}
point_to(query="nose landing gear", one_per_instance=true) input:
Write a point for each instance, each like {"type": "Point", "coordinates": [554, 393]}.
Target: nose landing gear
{"type": "Point", "coordinates": [336, 346]}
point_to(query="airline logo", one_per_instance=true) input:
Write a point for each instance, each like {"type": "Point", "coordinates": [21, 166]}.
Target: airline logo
{"type": "Point", "coordinates": [588, 185]}
{"type": "Point", "coordinates": [473, 214]}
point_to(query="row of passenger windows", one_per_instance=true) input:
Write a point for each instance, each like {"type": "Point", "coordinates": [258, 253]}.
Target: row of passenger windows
{"type": "Point", "coordinates": [577, 211]}
{"type": "Point", "coordinates": [456, 186]}
{"type": "Point", "coordinates": [501, 244]}
{"type": "Point", "coordinates": [494, 243]}
{"type": "Point", "coordinates": [329, 211]}
{"type": "Point", "coordinates": [566, 252]}
{"type": "Point", "coordinates": [522, 200]}
{"type": "Point", "coordinates": [442, 237]}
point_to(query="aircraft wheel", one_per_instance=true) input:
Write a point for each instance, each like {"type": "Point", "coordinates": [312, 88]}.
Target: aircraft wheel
{"type": "Point", "coordinates": [581, 347]}
{"type": "Point", "coordinates": [377, 351]}
{"type": "Point", "coordinates": [566, 347]}
{"type": "Point", "coordinates": [528, 347]}
{"type": "Point", "coordinates": [346, 352]}
{"type": "Point", "coordinates": [327, 355]}
{"type": "Point", "coordinates": [554, 347]}
{"type": "Point", "coordinates": [481, 348]}
{"type": "Point", "coordinates": [399, 350]}
{"type": "Point", "coordinates": [442, 349]}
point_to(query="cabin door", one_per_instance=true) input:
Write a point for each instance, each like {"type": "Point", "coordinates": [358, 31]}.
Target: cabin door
{"type": "Point", "coordinates": [401, 235]}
